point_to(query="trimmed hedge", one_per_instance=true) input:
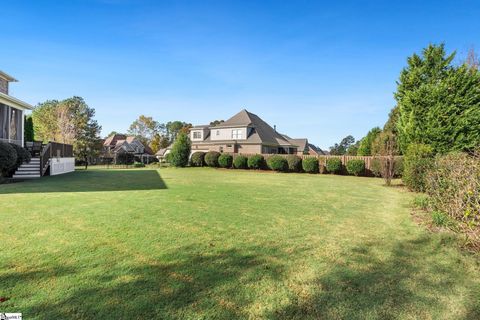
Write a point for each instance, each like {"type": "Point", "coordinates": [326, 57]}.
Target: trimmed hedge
{"type": "Point", "coordinates": [240, 162]}
{"type": "Point", "coordinates": [8, 158]}
{"type": "Point", "coordinates": [225, 160]}
{"type": "Point", "coordinates": [294, 163]}
{"type": "Point", "coordinates": [310, 165]}
{"type": "Point", "coordinates": [334, 165]}
{"type": "Point", "coordinates": [277, 163]}
{"type": "Point", "coordinates": [211, 158]}
{"type": "Point", "coordinates": [256, 162]}
{"type": "Point", "coordinates": [197, 159]}
{"type": "Point", "coordinates": [356, 167]}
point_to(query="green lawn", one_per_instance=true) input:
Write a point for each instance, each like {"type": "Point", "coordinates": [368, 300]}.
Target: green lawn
{"type": "Point", "coordinates": [200, 243]}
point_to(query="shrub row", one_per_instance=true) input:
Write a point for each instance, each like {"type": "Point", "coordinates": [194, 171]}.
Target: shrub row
{"type": "Point", "coordinates": [289, 163]}
{"type": "Point", "coordinates": [11, 157]}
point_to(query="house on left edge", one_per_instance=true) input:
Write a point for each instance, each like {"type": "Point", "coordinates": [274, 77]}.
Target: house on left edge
{"type": "Point", "coordinates": [50, 158]}
{"type": "Point", "coordinates": [12, 111]}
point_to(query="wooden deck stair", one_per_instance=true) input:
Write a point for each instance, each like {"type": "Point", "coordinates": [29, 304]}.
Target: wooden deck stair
{"type": "Point", "coordinates": [30, 170]}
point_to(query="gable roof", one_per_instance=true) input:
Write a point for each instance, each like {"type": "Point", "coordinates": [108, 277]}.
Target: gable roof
{"type": "Point", "coordinates": [317, 150]}
{"type": "Point", "coordinates": [243, 118]}
{"type": "Point", "coordinates": [112, 140]}
{"type": "Point", "coordinates": [261, 132]}
{"type": "Point", "coordinates": [300, 143]}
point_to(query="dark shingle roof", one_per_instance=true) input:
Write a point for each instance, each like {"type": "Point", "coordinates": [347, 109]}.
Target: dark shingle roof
{"type": "Point", "coordinates": [261, 132]}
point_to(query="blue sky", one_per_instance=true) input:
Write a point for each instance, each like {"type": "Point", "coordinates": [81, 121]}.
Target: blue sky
{"type": "Point", "coordinates": [316, 69]}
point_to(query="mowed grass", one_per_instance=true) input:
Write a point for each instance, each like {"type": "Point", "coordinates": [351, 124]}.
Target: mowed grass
{"type": "Point", "coordinates": [201, 243]}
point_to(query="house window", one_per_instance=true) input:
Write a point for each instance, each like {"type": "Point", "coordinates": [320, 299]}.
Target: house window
{"type": "Point", "coordinates": [218, 132]}
{"type": "Point", "coordinates": [197, 135]}
{"type": "Point", "coordinates": [237, 134]}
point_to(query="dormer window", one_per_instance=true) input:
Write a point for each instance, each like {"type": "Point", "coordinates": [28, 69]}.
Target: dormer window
{"type": "Point", "coordinates": [197, 135]}
{"type": "Point", "coordinates": [237, 134]}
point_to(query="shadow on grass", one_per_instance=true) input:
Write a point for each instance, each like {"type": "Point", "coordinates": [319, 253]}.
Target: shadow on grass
{"type": "Point", "coordinates": [227, 284]}
{"type": "Point", "coordinates": [412, 281]}
{"type": "Point", "coordinates": [188, 284]}
{"type": "Point", "coordinates": [90, 181]}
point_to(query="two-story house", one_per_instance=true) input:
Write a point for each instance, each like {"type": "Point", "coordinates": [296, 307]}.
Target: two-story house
{"type": "Point", "coordinates": [245, 133]}
{"type": "Point", "coordinates": [12, 111]}
{"type": "Point", "coordinates": [119, 143]}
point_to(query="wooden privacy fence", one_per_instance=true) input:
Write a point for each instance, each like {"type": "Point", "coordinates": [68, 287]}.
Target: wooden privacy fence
{"type": "Point", "coordinates": [323, 159]}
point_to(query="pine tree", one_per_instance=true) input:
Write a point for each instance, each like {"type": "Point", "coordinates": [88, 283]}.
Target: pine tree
{"type": "Point", "coordinates": [180, 150]}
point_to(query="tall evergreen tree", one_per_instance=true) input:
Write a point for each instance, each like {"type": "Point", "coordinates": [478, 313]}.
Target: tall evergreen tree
{"type": "Point", "coordinates": [438, 103]}
{"type": "Point", "coordinates": [181, 150]}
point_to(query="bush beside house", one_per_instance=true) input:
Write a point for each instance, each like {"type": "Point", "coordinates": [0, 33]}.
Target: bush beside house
{"type": "Point", "coordinates": [225, 160]}
{"type": "Point", "coordinates": [197, 159]}
{"type": "Point", "coordinates": [8, 159]}
{"type": "Point", "coordinates": [256, 162]}
{"type": "Point", "coordinates": [277, 163]}
{"type": "Point", "coordinates": [294, 163]}
{"type": "Point", "coordinates": [211, 158]}
{"type": "Point", "coordinates": [240, 162]}
{"type": "Point", "coordinates": [310, 165]}
{"type": "Point", "coordinates": [333, 165]}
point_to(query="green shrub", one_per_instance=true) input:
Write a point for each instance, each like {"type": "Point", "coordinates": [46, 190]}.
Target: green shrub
{"type": "Point", "coordinates": [225, 160]}
{"type": "Point", "coordinates": [294, 163]}
{"type": "Point", "coordinates": [197, 159]}
{"type": "Point", "coordinates": [256, 162]}
{"type": "Point", "coordinates": [277, 163]}
{"type": "Point", "coordinates": [421, 202]}
{"type": "Point", "coordinates": [416, 162]}
{"type": "Point", "coordinates": [180, 151]}
{"type": "Point", "coordinates": [211, 158]}
{"type": "Point", "coordinates": [8, 158]}
{"type": "Point", "coordinates": [439, 218]}
{"type": "Point", "coordinates": [168, 157]}
{"type": "Point", "coordinates": [22, 155]}
{"type": "Point", "coordinates": [453, 185]}
{"type": "Point", "coordinates": [356, 167]}
{"type": "Point", "coordinates": [240, 162]}
{"type": "Point", "coordinates": [138, 164]}
{"type": "Point", "coordinates": [334, 165]}
{"type": "Point", "coordinates": [310, 165]}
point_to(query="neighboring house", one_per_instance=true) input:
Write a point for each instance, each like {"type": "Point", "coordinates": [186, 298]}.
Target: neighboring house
{"type": "Point", "coordinates": [162, 153]}
{"type": "Point", "coordinates": [12, 112]}
{"type": "Point", "coordinates": [245, 133]}
{"type": "Point", "coordinates": [119, 143]}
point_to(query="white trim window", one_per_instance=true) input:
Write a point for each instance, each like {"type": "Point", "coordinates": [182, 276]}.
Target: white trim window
{"type": "Point", "coordinates": [197, 135]}
{"type": "Point", "coordinates": [237, 134]}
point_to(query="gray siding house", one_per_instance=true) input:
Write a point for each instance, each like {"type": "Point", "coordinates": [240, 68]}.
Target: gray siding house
{"type": "Point", "coordinates": [245, 133]}
{"type": "Point", "coordinates": [12, 111]}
